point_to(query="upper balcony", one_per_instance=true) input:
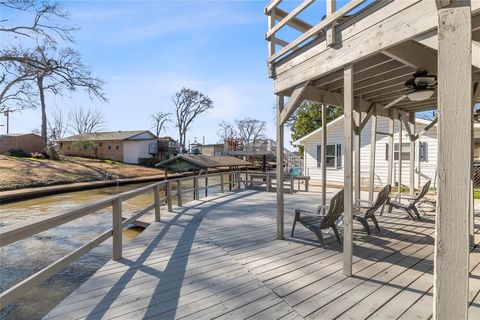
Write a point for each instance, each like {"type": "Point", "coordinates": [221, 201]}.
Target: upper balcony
{"type": "Point", "coordinates": [386, 41]}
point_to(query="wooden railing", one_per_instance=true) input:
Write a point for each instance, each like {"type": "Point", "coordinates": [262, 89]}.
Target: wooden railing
{"type": "Point", "coordinates": [325, 27]}
{"type": "Point", "coordinates": [20, 231]}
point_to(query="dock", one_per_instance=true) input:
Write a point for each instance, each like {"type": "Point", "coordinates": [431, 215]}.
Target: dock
{"type": "Point", "coordinates": [218, 258]}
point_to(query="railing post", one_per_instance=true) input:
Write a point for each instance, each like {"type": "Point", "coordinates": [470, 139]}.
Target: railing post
{"type": "Point", "coordinates": [222, 183]}
{"type": "Point", "coordinates": [267, 181]}
{"type": "Point", "coordinates": [239, 186]}
{"type": "Point", "coordinates": [206, 187]}
{"type": "Point", "coordinates": [156, 196]}
{"type": "Point", "coordinates": [292, 186]}
{"type": "Point", "coordinates": [117, 229]}
{"type": "Point", "coordinates": [169, 196]}
{"type": "Point", "coordinates": [195, 188]}
{"type": "Point", "coordinates": [179, 193]}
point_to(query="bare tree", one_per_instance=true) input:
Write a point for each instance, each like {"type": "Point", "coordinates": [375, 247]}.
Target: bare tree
{"type": "Point", "coordinates": [57, 125]}
{"type": "Point", "coordinates": [189, 104]}
{"type": "Point", "coordinates": [250, 130]}
{"type": "Point", "coordinates": [159, 121]}
{"type": "Point", "coordinates": [83, 120]}
{"type": "Point", "coordinates": [44, 26]}
{"type": "Point", "coordinates": [225, 131]}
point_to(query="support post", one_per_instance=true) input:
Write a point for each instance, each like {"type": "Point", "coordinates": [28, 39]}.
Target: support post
{"type": "Point", "coordinates": [206, 187]}
{"type": "Point", "coordinates": [117, 229]}
{"type": "Point", "coordinates": [267, 181]}
{"type": "Point", "coordinates": [156, 197]}
{"type": "Point", "coordinates": [357, 146]}
{"type": "Point", "coordinates": [411, 124]}
{"type": "Point", "coordinates": [292, 186]}
{"type": "Point", "coordinates": [169, 196]}
{"type": "Point", "coordinates": [280, 199]}
{"type": "Point", "coordinates": [238, 179]}
{"type": "Point", "coordinates": [323, 152]}
{"type": "Point", "coordinates": [391, 131]}
{"type": "Point", "coordinates": [400, 151]}
{"type": "Point", "coordinates": [373, 149]}
{"type": "Point", "coordinates": [195, 189]}
{"type": "Point", "coordinates": [222, 183]}
{"type": "Point", "coordinates": [348, 168]}
{"type": "Point", "coordinates": [179, 193]}
{"type": "Point", "coordinates": [451, 288]}
{"type": "Point", "coordinates": [330, 35]}
{"type": "Point", "coordinates": [229, 181]}
{"type": "Point", "coordinates": [476, 93]}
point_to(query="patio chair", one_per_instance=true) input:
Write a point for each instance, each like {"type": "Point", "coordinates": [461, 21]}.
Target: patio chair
{"type": "Point", "coordinates": [316, 222]}
{"type": "Point", "coordinates": [363, 213]}
{"type": "Point", "coordinates": [411, 207]}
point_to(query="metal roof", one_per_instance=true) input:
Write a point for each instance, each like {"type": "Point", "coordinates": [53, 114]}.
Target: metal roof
{"type": "Point", "coordinates": [108, 135]}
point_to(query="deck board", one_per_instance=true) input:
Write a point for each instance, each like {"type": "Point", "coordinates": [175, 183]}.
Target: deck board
{"type": "Point", "coordinates": [218, 258]}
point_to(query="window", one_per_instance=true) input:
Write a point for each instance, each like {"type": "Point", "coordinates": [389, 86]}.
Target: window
{"type": "Point", "coordinates": [117, 147]}
{"type": "Point", "coordinates": [109, 147]}
{"type": "Point", "coordinates": [333, 156]}
{"type": "Point", "coordinates": [422, 151]}
{"type": "Point", "coordinates": [100, 144]}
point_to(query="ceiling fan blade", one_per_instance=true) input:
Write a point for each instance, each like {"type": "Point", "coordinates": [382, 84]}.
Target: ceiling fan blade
{"type": "Point", "coordinates": [394, 102]}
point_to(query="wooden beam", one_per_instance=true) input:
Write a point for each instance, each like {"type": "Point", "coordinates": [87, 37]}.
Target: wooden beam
{"type": "Point", "coordinates": [403, 117]}
{"type": "Point", "coordinates": [411, 126]}
{"type": "Point", "coordinates": [373, 149]}
{"type": "Point", "coordinates": [348, 168]}
{"type": "Point", "coordinates": [288, 18]}
{"type": "Point", "coordinates": [318, 28]}
{"type": "Point", "coordinates": [450, 294]}
{"type": "Point", "coordinates": [324, 154]}
{"type": "Point", "coordinates": [295, 100]}
{"type": "Point", "coordinates": [394, 102]}
{"type": "Point", "coordinates": [367, 116]}
{"type": "Point", "coordinates": [425, 130]}
{"type": "Point", "coordinates": [357, 145]}
{"type": "Point", "coordinates": [414, 55]}
{"type": "Point", "coordinates": [279, 41]}
{"type": "Point", "coordinates": [272, 5]}
{"type": "Point", "coordinates": [390, 148]}
{"type": "Point", "coordinates": [330, 34]}
{"type": "Point", "coordinates": [295, 23]}
{"type": "Point", "coordinates": [280, 158]}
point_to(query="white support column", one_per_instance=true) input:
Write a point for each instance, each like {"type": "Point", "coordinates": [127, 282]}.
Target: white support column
{"type": "Point", "coordinates": [373, 149]}
{"type": "Point", "coordinates": [280, 156]}
{"type": "Point", "coordinates": [357, 145]}
{"type": "Point", "coordinates": [411, 124]}
{"type": "Point", "coordinates": [323, 161]}
{"type": "Point", "coordinates": [451, 289]}
{"type": "Point", "coordinates": [348, 168]}
{"type": "Point", "coordinates": [400, 158]}
{"type": "Point", "coordinates": [391, 131]}
{"type": "Point", "coordinates": [476, 93]}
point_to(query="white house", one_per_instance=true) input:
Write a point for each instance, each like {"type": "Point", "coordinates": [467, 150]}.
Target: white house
{"type": "Point", "coordinates": [425, 153]}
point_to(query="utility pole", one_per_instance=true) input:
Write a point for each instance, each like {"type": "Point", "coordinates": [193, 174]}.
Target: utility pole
{"type": "Point", "coordinates": [6, 113]}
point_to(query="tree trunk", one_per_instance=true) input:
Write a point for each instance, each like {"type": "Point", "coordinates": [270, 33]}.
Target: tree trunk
{"type": "Point", "coordinates": [180, 138]}
{"type": "Point", "coordinates": [44, 111]}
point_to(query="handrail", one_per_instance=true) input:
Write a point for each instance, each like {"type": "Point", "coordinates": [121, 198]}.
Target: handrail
{"type": "Point", "coordinates": [19, 231]}
{"type": "Point", "coordinates": [325, 25]}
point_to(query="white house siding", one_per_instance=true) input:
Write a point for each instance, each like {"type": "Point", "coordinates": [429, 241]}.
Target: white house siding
{"type": "Point", "coordinates": [132, 150]}
{"type": "Point", "coordinates": [423, 170]}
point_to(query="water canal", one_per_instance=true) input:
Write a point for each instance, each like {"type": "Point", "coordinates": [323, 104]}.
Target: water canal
{"type": "Point", "coordinates": [23, 258]}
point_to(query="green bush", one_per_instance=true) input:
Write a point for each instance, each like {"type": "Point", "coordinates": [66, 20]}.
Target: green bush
{"type": "Point", "coordinates": [148, 162]}
{"type": "Point", "coordinates": [18, 153]}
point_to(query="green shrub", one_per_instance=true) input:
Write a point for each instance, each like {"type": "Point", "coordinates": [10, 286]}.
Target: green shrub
{"type": "Point", "coordinates": [148, 162]}
{"type": "Point", "coordinates": [18, 153]}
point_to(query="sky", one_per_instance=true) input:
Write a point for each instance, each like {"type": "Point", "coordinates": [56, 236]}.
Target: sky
{"type": "Point", "coordinates": [145, 51]}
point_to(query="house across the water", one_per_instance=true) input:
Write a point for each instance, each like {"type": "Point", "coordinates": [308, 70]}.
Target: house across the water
{"type": "Point", "coordinates": [123, 146]}
{"type": "Point", "coordinates": [425, 153]}
{"type": "Point", "coordinates": [26, 142]}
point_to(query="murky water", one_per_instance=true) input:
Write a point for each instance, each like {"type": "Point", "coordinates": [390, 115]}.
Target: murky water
{"type": "Point", "coordinates": [23, 258]}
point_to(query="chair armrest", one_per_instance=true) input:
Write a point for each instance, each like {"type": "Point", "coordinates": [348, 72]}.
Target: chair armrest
{"type": "Point", "coordinates": [365, 201]}
{"type": "Point", "coordinates": [302, 211]}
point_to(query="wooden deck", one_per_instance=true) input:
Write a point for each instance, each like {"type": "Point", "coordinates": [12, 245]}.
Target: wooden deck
{"type": "Point", "coordinates": [218, 258]}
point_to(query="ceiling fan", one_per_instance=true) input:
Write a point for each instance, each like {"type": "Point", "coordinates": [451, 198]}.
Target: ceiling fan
{"type": "Point", "coordinates": [419, 88]}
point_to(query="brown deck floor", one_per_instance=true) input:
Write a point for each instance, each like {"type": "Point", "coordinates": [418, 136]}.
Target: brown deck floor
{"type": "Point", "coordinates": [218, 258]}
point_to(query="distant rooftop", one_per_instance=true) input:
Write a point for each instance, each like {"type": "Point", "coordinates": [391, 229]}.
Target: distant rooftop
{"type": "Point", "coordinates": [108, 135]}
{"type": "Point", "coordinates": [197, 162]}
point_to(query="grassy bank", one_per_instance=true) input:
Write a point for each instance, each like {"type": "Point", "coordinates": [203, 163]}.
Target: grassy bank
{"type": "Point", "coordinates": [17, 173]}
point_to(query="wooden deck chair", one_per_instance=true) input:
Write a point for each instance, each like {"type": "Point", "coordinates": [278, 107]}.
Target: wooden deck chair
{"type": "Point", "coordinates": [316, 222]}
{"type": "Point", "coordinates": [363, 213]}
{"type": "Point", "coordinates": [411, 206]}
